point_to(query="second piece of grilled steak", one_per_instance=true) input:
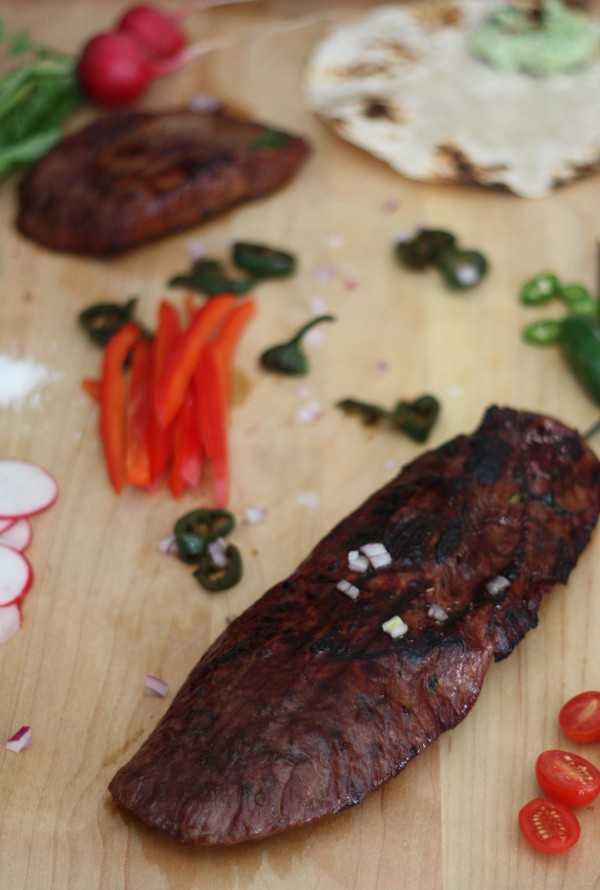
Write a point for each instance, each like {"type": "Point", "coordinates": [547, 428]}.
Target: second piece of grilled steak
{"type": "Point", "coordinates": [132, 176]}
{"type": "Point", "coordinates": [305, 704]}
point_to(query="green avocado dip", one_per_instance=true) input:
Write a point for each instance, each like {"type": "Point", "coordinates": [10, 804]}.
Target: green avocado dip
{"type": "Point", "coordinates": [555, 41]}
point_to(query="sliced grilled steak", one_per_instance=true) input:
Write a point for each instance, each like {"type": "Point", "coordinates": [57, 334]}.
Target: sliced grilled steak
{"type": "Point", "coordinates": [304, 704]}
{"type": "Point", "coordinates": [130, 177]}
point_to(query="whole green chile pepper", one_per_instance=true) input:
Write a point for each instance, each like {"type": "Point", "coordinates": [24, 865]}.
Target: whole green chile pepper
{"type": "Point", "coordinates": [580, 342]}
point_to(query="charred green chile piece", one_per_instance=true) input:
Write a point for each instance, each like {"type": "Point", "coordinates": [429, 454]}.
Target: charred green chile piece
{"type": "Point", "coordinates": [415, 419]}
{"type": "Point", "coordinates": [461, 269]}
{"type": "Point", "coordinates": [209, 277]}
{"type": "Point", "coordinates": [261, 261]}
{"type": "Point", "coordinates": [194, 531]}
{"type": "Point", "coordinates": [423, 250]}
{"type": "Point", "coordinates": [289, 357]}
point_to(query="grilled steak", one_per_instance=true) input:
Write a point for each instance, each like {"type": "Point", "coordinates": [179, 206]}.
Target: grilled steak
{"type": "Point", "coordinates": [304, 704]}
{"type": "Point", "coordinates": [130, 177]}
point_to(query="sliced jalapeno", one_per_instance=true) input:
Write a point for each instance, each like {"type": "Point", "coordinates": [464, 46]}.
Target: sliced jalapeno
{"type": "Point", "coordinates": [415, 419]}
{"type": "Point", "coordinates": [422, 250]}
{"type": "Point", "coordinates": [194, 531]}
{"type": "Point", "coordinates": [543, 333]}
{"type": "Point", "coordinates": [102, 320]}
{"type": "Point", "coordinates": [461, 269]}
{"type": "Point", "coordinates": [209, 277]}
{"type": "Point", "coordinates": [580, 342]}
{"type": "Point", "coordinates": [271, 139]}
{"type": "Point", "coordinates": [261, 261]}
{"type": "Point", "coordinates": [540, 289]}
{"type": "Point", "coordinates": [579, 300]}
{"type": "Point", "coordinates": [213, 576]}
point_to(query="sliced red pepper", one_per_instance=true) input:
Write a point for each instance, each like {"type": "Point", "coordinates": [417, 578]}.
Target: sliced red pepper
{"type": "Point", "coordinates": [186, 463]}
{"type": "Point", "coordinates": [181, 364]}
{"type": "Point", "coordinates": [138, 416]}
{"type": "Point", "coordinates": [91, 386]}
{"type": "Point", "coordinates": [161, 440]}
{"type": "Point", "coordinates": [211, 382]}
{"type": "Point", "coordinates": [112, 401]}
{"type": "Point", "coordinates": [228, 337]}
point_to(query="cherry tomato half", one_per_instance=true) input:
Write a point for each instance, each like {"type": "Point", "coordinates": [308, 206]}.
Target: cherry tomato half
{"type": "Point", "coordinates": [549, 825]}
{"type": "Point", "coordinates": [567, 777]}
{"type": "Point", "coordinates": [579, 718]}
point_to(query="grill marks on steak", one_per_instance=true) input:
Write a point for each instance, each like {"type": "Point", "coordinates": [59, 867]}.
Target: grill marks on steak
{"type": "Point", "coordinates": [304, 705]}
{"type": "Point", "coordinates": [131, 177]}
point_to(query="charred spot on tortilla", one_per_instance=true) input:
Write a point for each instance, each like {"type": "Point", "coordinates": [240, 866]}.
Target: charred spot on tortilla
{"type": "Point", "coordinates": [456, 166]}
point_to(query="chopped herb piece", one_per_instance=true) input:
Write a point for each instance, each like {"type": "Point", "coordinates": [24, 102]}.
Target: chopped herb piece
{"type": "Point", "coordinates": [209, 277]}
{"type": "Point", "coordinates": [415, 419]}
{"type": "Point", "coordinates": [102, 320]}
{"type": "Point", "coordinates": [288, 357]}
{"type": "Point", "coordinates": [271, 139]}
{"type": "Point", "coordinates": [261, 261]}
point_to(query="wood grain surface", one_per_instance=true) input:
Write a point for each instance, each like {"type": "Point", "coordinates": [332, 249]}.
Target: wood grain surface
{"type": "Point", "coordinates": [107, 607]}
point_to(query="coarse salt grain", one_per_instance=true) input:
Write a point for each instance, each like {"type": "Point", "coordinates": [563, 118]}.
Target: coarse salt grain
{"type": "Point", "coordinates": [497, 585]}
{"type": "Point", "coordinates": [357, 562]}
{"type": "Point", "coordinates": [314, 337]}
{"type": "Point", "coordinates": [317, 305]}
{"type": "Point", "coordinates": [310, 412]}
{"type": "Point", "coordinates": [326, 273]}
{"type": "Point", "coordinates": [308, 499]}
{"type": "Point", "coordinates": [437, 612]}
{"type": "Point", "coordinates": [395, 627]}
{"type": "Point", "coordinates": [21, 377]}
{"type": "Point", "coordinates": [195, 249]}
{"type": "Point", "coordinates": [348, 589]}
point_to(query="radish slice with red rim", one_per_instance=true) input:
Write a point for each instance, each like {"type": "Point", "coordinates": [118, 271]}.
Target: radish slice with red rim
{"type": "Point", "coordinates": [16, 575]}
{"type": "Point", "coordinates": [5, 524]}
{"type": "Point", "coordinates": [18, 535]}
{"type": "Point", "coordinates": [25, 488]}
{"type": "Point", "coordinates": [10, 621]}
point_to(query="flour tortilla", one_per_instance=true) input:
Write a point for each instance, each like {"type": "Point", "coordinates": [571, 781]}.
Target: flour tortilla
{"type": "Point", "coordinates": [402, 83]}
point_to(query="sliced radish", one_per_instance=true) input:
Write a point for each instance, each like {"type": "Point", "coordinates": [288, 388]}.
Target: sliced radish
{"type": "Point", "coordinates": [5, 524]}
{"type": "Point", "coordinates": [18, 535]}
{"type": "Point", "coordinates": [16, 575]}
{"type": "Point", "coordinates": [25, 488]}
{"type": "Point", "coordinates": [10, 622]}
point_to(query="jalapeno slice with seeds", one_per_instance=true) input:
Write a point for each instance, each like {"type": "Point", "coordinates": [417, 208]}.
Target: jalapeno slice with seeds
{"type": "Point", "coordinates": [194, 531]}
{"type": "Point", "coordinates": [102, 320]}
{"type": "Point", "coordinates": [461, 269]}
{"type": "Point", "coordinates": [262, 261]}
{"type": "Point", "coordinates": [422, 250]}
{"type": "Point", "coordinates": [539, 289]}
{"type": "Point", "coordinates": [215, 577]}
{"type": "Point", "coordinates": [543, 333]}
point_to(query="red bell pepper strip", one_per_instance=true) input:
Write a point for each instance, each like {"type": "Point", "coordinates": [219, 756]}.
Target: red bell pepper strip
{"type": "Point", "coordinates": [138, 416]}
{"type": "Point", "coordinates": [186, 463]}
{"type": "Point", "coordinates": [91, 386]}
{"type": "Point", "coordinates": [228, 337]}
{"type": "Point", "coordinates": [161, 440]}
{"type": "Point", "coordinates": [112, 401]}
{"type": "Point", "coordinates": [181, 364]}
{"type": "Point", "coordinates": [212, 382]}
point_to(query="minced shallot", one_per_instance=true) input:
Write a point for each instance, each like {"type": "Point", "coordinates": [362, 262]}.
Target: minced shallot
{"type": "Point", "coordinates": [20, 740]}
{"type": "Point", "coordinates": [155, 687]}
{"type": "Point", "coordinates": [349, 589]}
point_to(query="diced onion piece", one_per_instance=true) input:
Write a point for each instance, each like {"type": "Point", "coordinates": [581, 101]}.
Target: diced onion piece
{"type": "Point", "coordinates": [217, 551]}
{"type": "Point", "coordinates": [357, 562]}
{"type": "Point", "coordinates": [20, 740]}
{"type": "Point", "coordinates": [395, 627]}
{"type": "Point", "coordinates": [255, 513]}
{"type": "Point", "coordinates": [155, 687]}
{"type": "Point", "coordinates": [437, 612]}
{"type": "Point", "coordinates": [497, 585]}
{"type": "Point", "coordinates": [349, 589]}
{"type": "Point", "coordinates": [168, 545]}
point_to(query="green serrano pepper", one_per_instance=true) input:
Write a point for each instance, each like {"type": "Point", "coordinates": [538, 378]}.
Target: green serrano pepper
{"type": "Point", "coordinates": [580, 343]}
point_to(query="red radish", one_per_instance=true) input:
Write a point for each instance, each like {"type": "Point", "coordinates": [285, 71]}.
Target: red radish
{"type": "Point", "coordinates": [25, 488]}
{"type": "Point", "coordinates": [159, 31]}
{"type": "Point", "coordinates": [115, 70]}
{"type": "Point", "coordinates": [16, 575]}
{"type": "Point", "coordinates": [10, 622]}
{"type": "Point", "coordinates": [18, 535]}
{"type": "Point", "coordinates": [5, 524]}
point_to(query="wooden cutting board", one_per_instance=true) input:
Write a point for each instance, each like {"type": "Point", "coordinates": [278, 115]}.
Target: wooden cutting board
{"type": "Point", "coordinates": [107, 607]}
